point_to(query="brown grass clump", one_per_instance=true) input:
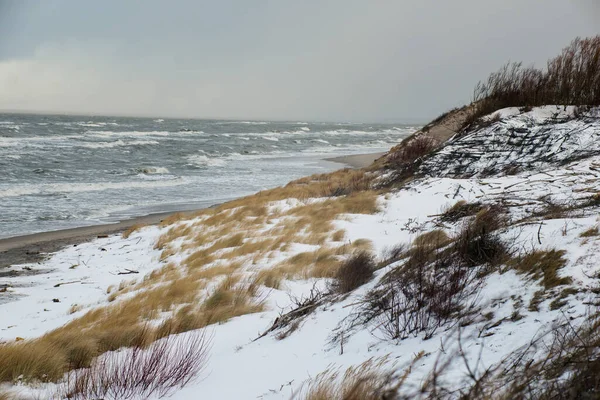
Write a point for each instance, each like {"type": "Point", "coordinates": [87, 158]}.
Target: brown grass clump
{"type": "Point", "coordinates": [132, 229]}
{"type": "Point", "coordinates": [590, 232]}
{"type": "Point", "coordinates": [354, 272]}
{"type": "Point", "coordinates": [432, 240]}
{"type": "Point", "coordinates": [367, 381]}
{"type": "Point", "coordinates": [31, 359]}
{"type": "Point", "coordinates": [269, 278]}
{"type": "Point", "coordinates": [411, 150]}
{"type": "Point", "coordinates": [544, 265]}
{"type": "Point", "coordinates": [477, 243]}
{"type": "Point", "coordinates": [338, 235]}
{"type": "Point", "coordinates": [460, 210]}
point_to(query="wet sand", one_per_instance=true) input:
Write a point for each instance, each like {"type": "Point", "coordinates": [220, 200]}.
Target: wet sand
{"type": "Point", "coordinates": [357, 160]}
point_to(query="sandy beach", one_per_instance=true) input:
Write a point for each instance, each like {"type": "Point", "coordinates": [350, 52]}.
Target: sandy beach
{"type": "Point", "coordinates": [33, 248]}
{"type": "Point", "coordinates": [357, 160]}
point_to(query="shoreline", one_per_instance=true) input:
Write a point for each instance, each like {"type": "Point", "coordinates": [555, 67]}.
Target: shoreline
{"type": "Point", "coordinates": [32, 248]}
{"type": "Point", "coordinates": [357, 160]}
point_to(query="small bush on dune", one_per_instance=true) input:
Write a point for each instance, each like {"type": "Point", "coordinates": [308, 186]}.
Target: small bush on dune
{"type": "Point", "coordinates": [368, 381]}
{"type": "Point", "coordinates": [411, 151]}
{"type": "Point", "coordinates": [477, 243]}
{"type": "Point", "coordinates": [459, 210]}
{"type": "Point", "coordinates": [571, 78]}
{"type": "Point", "coordinates": [158, 369]}
{"type": "Point", "coordinates": [354, 272]}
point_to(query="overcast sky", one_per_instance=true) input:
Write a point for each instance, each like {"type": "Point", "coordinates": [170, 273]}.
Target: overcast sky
{"type": "Point", "coordinates": [342, 60]}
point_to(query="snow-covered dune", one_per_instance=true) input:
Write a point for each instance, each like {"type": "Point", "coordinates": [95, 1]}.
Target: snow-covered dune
{"type": "Point", "coordinates": [536, 171]}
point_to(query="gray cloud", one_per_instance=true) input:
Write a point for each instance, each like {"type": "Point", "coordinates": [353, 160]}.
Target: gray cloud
{"type": "Point", "coordinates": [317, 60]}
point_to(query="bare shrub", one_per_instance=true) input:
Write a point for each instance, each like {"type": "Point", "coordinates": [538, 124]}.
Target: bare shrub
{"type": "Point", "coordinates": [288, 322]}
{"type": "Point", "coordinates": [354, 272]}
{"type": "Point", "coordinates": [437, 284]}
{"type": "Point", "coordinates": [158, 369]}
{"type": "Point", "coordinates": [392, 254]}
{"type": "Point", "coordinates": [431, 289]}
{"type": "Point", "coordinates": [571, 78]}
{"type": "Point", "coordinates": [411, 151]}
{"type": "Point", "coordinates": [477, 243]}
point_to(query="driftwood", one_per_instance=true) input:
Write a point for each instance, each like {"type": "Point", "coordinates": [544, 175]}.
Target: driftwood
{"type": "Point", "coordinates": [128, 272]}
{"type": "Point", "coordinates": [66, 283]}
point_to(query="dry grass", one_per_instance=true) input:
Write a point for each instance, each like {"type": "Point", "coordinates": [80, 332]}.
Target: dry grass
{"type": "Point", "coordinates": [131, 230]}
{"type": "Point", "coordinates": [432, 240]}
{"type": "Point", "coordinates": [354, 272]}
{"type": "Point", "coordinates": [7, 395]}
{"type": "Point", "coordinates": [590, 232]}
{"type": "Point", "coordinates": [544, 265]}
{"type": "Point", "coordinates": [460, 210]}
{"type": "Point", "coordinates": [367, 381]}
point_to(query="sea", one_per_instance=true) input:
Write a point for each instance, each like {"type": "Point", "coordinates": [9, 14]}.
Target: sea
{"type": "Point", "coordinates": [60, 171]}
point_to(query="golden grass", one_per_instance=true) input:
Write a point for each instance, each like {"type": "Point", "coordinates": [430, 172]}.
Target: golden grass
{"type": "Point", "coordinates": [269, 278]}
{"type": "Point", "coordinates": [433, 240]}
{"type": "Point", "coordinates": [131, 230]}
{"type": "Point", "coordinates": [367, 381]}
{"type": "Point", "coordinates": [338, 235]}
{"type": "Point", "coordinates": [544, 265]}
{"type": "Point", "coordinates": [7, 396]}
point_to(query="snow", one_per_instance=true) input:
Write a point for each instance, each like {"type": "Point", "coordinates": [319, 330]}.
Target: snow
{"type": "Point", "coordinates": [77, 277]}
{"type": "Point", "coordinates": [558, 156]}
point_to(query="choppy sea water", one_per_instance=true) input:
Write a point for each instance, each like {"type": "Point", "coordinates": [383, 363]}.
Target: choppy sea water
{"type": "Point", "coordinates": [66, 171]}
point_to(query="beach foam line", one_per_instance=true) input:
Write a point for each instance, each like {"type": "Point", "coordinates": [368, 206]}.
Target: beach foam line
{"type": "Point", "coordinates": [56, 188]}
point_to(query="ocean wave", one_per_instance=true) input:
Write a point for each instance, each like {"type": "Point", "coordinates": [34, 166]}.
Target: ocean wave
{"type": "Point", "coordinates": [244, 122]}
{"type": "Point", "coordinates": [127, 133]}
{"type": "Point", "coordinates": [117, 143]}
{"type": "Point", "coordinates": [92, 124]}
{"type": "Point", "coordinates": [159, 120]}
{"type": "Point", "coordinates": [271, 138]}
{"type": "Point", "coordinates": [153, 170]}
{"type": "Point", "coordinates": [58, 188]}
{"type": "Point", "coordinates": [204, 161]}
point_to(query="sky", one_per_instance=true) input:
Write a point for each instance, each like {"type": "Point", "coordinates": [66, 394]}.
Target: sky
{"type": "Point", "coordinates": [313, 60]}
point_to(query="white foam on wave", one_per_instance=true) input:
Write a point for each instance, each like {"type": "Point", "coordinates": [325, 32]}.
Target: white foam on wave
{"type": "Point", "coordinates": [245, 122]}
{"type": "Point", "coordinates": [159, 120]}
{"type": "Point", "coordinates": [271, 138]}
{"type": "Point", "coordinates": [305, 129]}
{"type": "Point", "coordinates": [320, 141]}
{"type": "Point", "coordinates": [111, 134]}
{"type": "Point", "coordinates": [153, 170]}
{"type": "Point", "coordinates": [204, 161]}
{"type": "Point", "coordinates": [57, 188]}
{"type": "Point", "coordinates": [117, 143]}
